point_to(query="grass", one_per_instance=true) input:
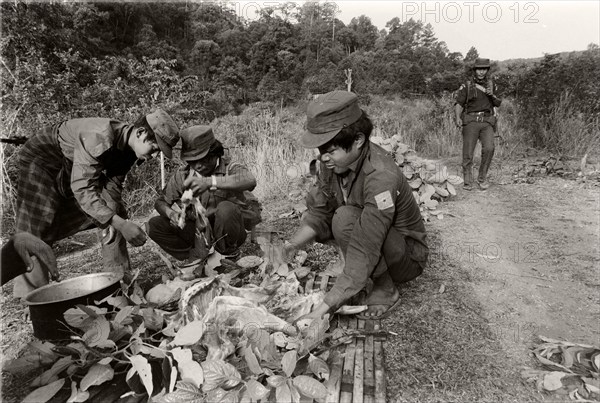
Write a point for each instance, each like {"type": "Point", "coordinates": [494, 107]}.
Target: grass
{"type": "Point", "coordinates": [445, 349]}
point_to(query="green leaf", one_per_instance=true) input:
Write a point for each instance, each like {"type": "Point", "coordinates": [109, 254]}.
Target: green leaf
{"type": "Point", "coordinates": [77, 396]}
{"type": "Point", "coordinates": [59, 366]}
{"type": "Point", "coordinates": [97, 333]}
{"type": "Point", "coordinates": [252, 361]}
{"type": "Point", "coordinates": [124, 316]}
{"type": "Point", "coordinates": [153, 319]}
{"type": "Point", "coordinates": [152, 351]}
{"type": "Point", "coordinates": [192, 372]}
{"type": "Point", "coordinates": [276, 381]}
{"type": "Point", "coordinates": [105, 360]}
{"type": "Point", "coordinates": [97, 375]}
{"type": "Point", "coordinates": [184, 392]}
{"type": "Point", "coordinates": [288, 362]}
{"type": "Point", "coordinates": [44, 348]}
{"type": "Point", "coordinates": [45, 393]}
{"type": "Point", "coordinates": [310, 387]}
{"type": "Point", "coordinates": [256, 390]}
{"type": "Point", "coordinates": [189, 334]}
{"type": "Point", "coordinates": [182, 355]}
{"type": "Point", "coordinates": [295, 395]}
{"type": "Point", "coordinates": [143, 369]}
{"type": "Point", "coordinates": [314, 334]}
{"type": "Point", "coordinates": [318, 367]}
{"type": "Point", "coordinates": [77, 318]}
{"type": "Point", "coordinates": [219, 373]}
{"type": "Point", "coordinates": [27, 362]}
{"type": "Point", "coordinates": [552, 380]}
{"type": "Point", "coordinates": [283, 394]}
{"type": "Point", "coordinates": [118, 302]}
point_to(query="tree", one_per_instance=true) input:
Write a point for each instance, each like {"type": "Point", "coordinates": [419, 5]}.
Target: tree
{"type": "Point", "coordinates": [472, 54]}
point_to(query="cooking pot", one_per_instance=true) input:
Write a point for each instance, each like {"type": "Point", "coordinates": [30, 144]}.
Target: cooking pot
{"type": "Point", "coordinates": [48, 303]}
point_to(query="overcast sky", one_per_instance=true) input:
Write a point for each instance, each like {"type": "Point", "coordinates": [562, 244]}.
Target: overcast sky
{"type": "Point", "coordinates": [499, 30]}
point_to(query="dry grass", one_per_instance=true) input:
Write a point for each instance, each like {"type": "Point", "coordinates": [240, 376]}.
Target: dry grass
{"type": "Point", "coordinates": [568, 133]}
{"type": "Point", "coordinates": [446, 350]}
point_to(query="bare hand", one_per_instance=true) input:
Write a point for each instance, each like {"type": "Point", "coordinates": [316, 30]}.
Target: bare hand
{"type": "Point", "coordinates": [132, 233]}
{"type": "Point", "coordinates": [174, 218]}
{"type": "Point", "coordinates": [197, 185]}
{"type": "Point", "coordinates": [30, 247]}
{"type": "Point", "coordinates": [316, 313]}
{"type": "Point", "coordinates": [459, 122]}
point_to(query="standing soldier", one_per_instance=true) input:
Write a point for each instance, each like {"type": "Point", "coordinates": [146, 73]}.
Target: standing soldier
{"type": "Point", "coordinates": [474, 110]}
{"type": "Point", "coordinates": [71, 179]}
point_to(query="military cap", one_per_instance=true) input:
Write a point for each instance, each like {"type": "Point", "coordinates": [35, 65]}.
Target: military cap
{"type": "Point", "coordinates": [481, 63]}
{"type": "Point", "coordinates": [165, 129]}
{"type": "Point", "coordinates": [196, 142]}
{"type": "Point", "coordinates": [327, 114]}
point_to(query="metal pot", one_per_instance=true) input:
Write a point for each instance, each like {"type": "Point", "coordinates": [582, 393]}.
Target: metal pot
{"type": "Point", "coordinates": [47, 304]}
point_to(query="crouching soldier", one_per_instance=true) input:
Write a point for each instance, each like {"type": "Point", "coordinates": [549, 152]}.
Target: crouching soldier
{"type": "Point", "coordinates": [223, 188]}
{"type": "Point", "coordinates": [361, 200]}
{"type": "Point", "coordinates": [71, 179]}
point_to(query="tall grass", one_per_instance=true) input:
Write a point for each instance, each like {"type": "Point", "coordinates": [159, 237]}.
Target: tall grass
{"type": "Point", "coordinates": [567, 132]}
{"type": "Point", "coordinates": [266, 141]}
{"type": "Point", "coordinates": [264, 137]}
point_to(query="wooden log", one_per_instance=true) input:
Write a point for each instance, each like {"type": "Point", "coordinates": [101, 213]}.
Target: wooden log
{"type": "Point", "coordinates": [348, 373]}
{"type": "Point", "coordinates": [324, 282]}
{"type": "Point", "coordinates": [334, 383]}
{"type": "Point", "coordinates": [380, 381]}
{"type": "Point", "coordinates": [359, 364]}
{"type": "Point", "coordinates": [369, 376]}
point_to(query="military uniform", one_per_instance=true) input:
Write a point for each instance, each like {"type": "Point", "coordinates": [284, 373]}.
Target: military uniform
{"type": "Point", "coordinates": [230, 212]}
{"type": "Point", "coordinates": [478, 122]}
{"type": "Point", "coordinates": [372, 215]}
{"type": "Point", "coordinates": [71, 179]}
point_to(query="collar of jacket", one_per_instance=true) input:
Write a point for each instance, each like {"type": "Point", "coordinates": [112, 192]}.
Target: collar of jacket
{"type": "Point", "coordinates": [122, 136]}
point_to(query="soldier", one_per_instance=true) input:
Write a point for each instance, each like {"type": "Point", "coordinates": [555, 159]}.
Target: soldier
{"type": "Point", "coordinates": [363, 202]}
{"type": "Point", "coordinates": [71, 179]}
{"type": "Point", "coordinates": [224, 191]}
{"type": "Point", "coordinates": [474, 111]}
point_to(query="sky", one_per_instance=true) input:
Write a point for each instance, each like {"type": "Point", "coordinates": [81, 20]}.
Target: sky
{"type": "Point", "coordinates": [499, 30]}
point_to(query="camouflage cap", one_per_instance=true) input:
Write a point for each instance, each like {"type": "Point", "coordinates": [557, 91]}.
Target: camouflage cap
{"type": "Point", "coordinates": [196, 142]}
{"type": "Point", "coordinates": [166, 130]}
{"type": "Point", "coordinates": [327, 115]}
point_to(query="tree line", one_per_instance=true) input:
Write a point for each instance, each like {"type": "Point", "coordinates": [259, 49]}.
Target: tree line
{"type": "Point", "coordinates": [104, 58]}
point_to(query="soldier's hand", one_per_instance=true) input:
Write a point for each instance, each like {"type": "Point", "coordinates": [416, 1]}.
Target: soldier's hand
{"type": "Point", "coordinates": [174, 218]}
{"type": "Point", "coordinates": [132, 233]}
{"type": "Point", "coordinates": [30, 247]}
{"type": "Point", "coordinates": [459, 122]}
{"type": "Point", "coordinates": [198, 185]}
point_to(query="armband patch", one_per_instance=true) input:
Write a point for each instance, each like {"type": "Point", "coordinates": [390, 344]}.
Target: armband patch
{"type": "Point", "coordinates": [384, 200]}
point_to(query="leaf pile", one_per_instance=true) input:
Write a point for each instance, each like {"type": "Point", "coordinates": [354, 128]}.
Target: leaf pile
{"type": "Point", "coordinates": [569, 369]}
{"type": "Point", "coordinates": [216, 343]}
{"type": "Point", "coordinates": [430, 182]}
{"type": "Point", "coordinates": [557, 166]}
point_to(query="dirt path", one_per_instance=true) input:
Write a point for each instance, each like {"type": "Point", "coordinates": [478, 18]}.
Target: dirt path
{"type": "Point", "coordinates": [532, 251]}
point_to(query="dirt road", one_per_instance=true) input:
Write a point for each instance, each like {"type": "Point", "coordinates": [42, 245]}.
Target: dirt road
{"type": "Point", "coordinates": [533, 252]}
